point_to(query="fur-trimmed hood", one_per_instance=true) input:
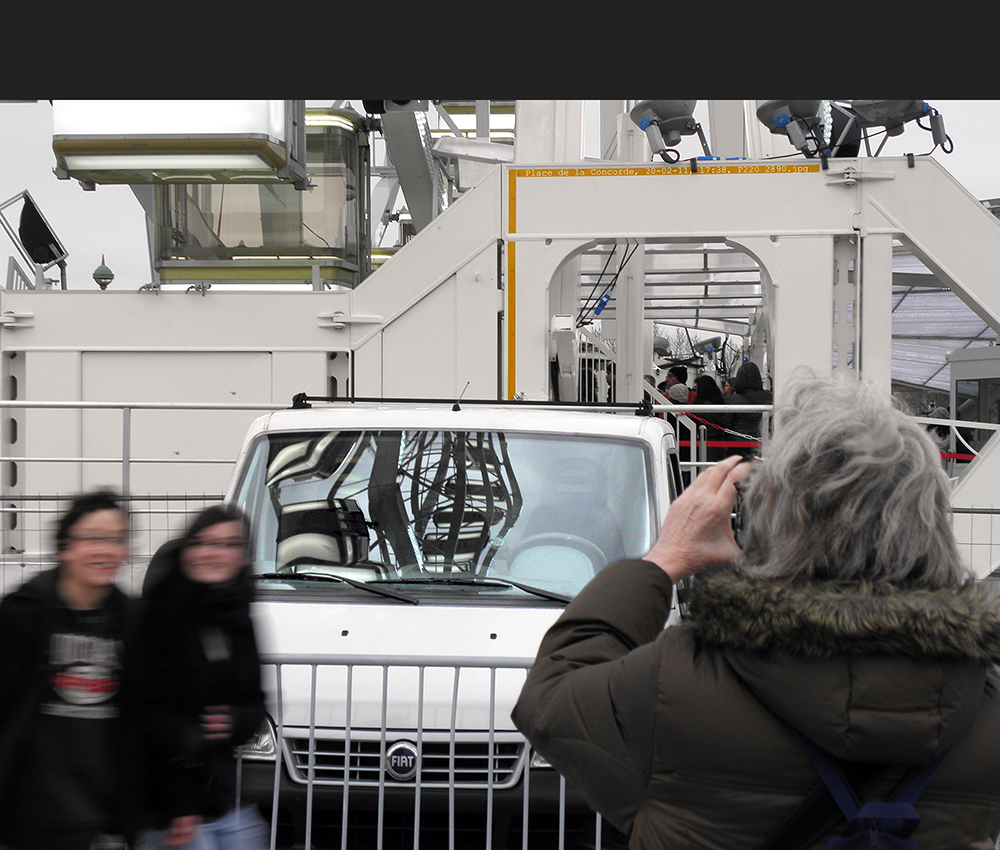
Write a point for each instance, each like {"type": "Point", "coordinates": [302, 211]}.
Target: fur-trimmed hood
{"type": "Point", "coordinates": [820, 619]}
{"type": "Point", "coordinates": [869, 674]}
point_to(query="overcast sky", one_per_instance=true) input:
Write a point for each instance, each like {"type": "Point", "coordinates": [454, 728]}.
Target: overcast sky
{"type": "Point", "coordinates": [109, 221]}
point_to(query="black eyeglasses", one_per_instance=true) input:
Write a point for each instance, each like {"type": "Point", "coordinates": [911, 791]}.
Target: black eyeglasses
{"type": "Point", "coordinates": [98, 540]}
{"type": "Point", "coordinates": [217, 544]}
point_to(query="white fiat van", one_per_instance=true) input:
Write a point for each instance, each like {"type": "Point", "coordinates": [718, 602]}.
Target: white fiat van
{"type": "Point", "coordinates": [409, 558]}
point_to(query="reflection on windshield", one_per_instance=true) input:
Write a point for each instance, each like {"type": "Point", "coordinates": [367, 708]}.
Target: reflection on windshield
{"type": "Point", "coordinates": [543, 511]}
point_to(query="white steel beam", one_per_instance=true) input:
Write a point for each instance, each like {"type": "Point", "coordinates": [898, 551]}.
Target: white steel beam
{"type": "Point", "coordinates": [798, 209]}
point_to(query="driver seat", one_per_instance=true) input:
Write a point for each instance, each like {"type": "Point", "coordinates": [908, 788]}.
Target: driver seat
{"type": "Point", "coordinates": [551, 566]}
{"type": "Point", "coordinates": [576, 505]}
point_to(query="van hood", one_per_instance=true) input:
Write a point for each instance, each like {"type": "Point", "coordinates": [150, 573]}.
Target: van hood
{"type": "Point", "coordinates": [375, 652]}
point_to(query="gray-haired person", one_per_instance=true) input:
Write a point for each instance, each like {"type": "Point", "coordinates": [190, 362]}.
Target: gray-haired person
{"type": "Point", "coordinates": [847, 620]}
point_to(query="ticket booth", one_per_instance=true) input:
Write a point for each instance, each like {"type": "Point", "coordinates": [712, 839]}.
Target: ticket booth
{"type": "Point", "coordinates": [975, 397]}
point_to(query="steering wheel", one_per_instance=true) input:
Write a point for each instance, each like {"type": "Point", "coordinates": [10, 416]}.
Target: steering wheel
{"type": "Point", "coordinates": [567, 541]}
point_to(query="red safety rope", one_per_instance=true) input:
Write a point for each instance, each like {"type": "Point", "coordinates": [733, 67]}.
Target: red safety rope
{"type": "Point", "coordinates": [749, 443]}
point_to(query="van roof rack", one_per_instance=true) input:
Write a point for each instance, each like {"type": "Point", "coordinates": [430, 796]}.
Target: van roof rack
{"type": "Point", "coordinates": [643, 408]}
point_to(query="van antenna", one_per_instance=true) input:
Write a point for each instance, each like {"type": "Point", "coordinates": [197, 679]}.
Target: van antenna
{"type": "Point", "coordinates": [457, 405]}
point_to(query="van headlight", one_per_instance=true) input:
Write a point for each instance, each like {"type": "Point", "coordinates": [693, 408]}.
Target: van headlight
{"type": "Point", "coordinates": [262, 746]}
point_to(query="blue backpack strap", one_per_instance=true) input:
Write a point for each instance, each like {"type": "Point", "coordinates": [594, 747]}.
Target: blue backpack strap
{"type": "Point", "coordinates": [897, 816]}
{"type": "Point", "coordinates": [834, 779]}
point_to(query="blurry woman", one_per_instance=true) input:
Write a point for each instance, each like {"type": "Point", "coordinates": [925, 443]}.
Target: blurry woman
{"type": "Point", "coordinates": [64, 778]}
{"type": "Point", "coordinates": [706, 391]}
{"type": "Point", "coordinates": [200, 685]}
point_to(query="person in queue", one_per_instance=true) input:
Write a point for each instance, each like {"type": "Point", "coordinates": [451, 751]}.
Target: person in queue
{"type": "Point", "coordinates": [199, 686]}
{"type": "Point", "coordinates": [717, 423]}
{"type": "Point", "coordinates": [749, 389]}
{"type": "Point", "coordinates": [847, 620]}
{"type": "Point", "coordinates": [65, 734]}
{"type": "Point", "coordinates": [678, 376]}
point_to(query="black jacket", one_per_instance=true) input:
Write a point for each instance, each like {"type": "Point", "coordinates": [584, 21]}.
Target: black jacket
{"type": "Point", "coordinates": [27, 618]}
{"type": "Point", "coordinates": [749, 390]}
{"type": "Point", "coordinates": [182, 624]}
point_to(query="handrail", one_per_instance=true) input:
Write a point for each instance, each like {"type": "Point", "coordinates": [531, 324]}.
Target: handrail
{"type": "Point", "coordinates": [144, 405]}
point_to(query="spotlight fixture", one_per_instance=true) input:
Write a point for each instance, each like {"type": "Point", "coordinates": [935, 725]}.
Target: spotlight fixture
{"type": "Point", "coordinates": [796, 119]}
{"type": "Point", "coordinates": [830, 128]}
{"type": "Point", "coordinates": [664, 122]}
{"type": "Point", "coordinates": [891, 114]}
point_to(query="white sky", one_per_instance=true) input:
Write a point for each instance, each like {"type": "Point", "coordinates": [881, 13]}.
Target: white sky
{"type": "Point", "coordinates": [110, 222]}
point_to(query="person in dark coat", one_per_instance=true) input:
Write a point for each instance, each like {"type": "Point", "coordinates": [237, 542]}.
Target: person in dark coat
{"type": "Point", "coordinates": [716, 424]}
{"type": "Point", "coordinates": [848, 620]}
{"type": "Point", "coordinates": [199, 685]}
{"type": "Point", "coordinates": [66, 757]}
{"type": "Point", "coordinates": [749, 390]}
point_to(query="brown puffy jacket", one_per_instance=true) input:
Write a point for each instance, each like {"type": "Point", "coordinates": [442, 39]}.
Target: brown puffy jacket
{"type": "Point", "coordinates": [682, 737]}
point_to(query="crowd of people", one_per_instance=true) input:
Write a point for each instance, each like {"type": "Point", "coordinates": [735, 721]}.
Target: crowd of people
{"type": "Point", "coordinates": [119, 715]}
{"type": "Point", "coordinates": [735, 432]}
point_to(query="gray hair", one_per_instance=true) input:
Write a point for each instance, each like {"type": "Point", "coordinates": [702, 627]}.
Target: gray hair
{"type": "Point", "coordinates": [850, 489]}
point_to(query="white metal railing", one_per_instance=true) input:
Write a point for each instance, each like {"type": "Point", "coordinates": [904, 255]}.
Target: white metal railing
{"type": "Point", "coordinates": [28, 509]}
{"type": "Point", "coordinates": [694, 438]}
{"type": "Point", "coordinates": [125, 457]}
{"type": "Point", "coordinates": [160, 512]}
{"type": "Point", "coordinates": [571, 822]}
{"type": "Point", "coordinates": [17, 278]}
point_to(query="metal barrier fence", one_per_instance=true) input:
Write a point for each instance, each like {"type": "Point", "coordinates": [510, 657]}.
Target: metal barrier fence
{"type": "Point", "coordinates": [464, 786]}
{"type": "Point", "coordinates": [153, 520]}
{"type": "Point", "coordinates": [695, 436]}
{"type": "Point", "coordinates": [35, 486]}
{"type": "Point", "coordinates": [39, 475]}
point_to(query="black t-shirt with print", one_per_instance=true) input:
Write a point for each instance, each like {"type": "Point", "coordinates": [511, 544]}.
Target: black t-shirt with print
{"type": "Point", "coordinates": [71, 767]}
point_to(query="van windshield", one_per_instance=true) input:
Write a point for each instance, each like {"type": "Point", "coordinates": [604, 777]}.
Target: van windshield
{"type": "Point", "coordinates": [437, 507]}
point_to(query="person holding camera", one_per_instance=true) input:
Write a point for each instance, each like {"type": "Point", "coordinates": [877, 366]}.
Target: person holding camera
{"type": "Point", "coordinates": [846, 624]}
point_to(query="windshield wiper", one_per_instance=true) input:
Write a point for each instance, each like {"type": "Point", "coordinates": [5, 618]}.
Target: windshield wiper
{"type": "Point", "coordinates": [361, 585]}
{"type": "Point", "coordinates": [482, 582]}
{"type": "Point", "coordinates": [527, 588]}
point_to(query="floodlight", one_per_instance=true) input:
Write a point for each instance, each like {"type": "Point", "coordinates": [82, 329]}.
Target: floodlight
{"type": "Point", "coordinates": [36, 236]}
{"type": "Point", "coordinates": [661, 346]}
{"type": "Point", "coordinates": [35, 241]}
{"type": "Point", "coordinates": [891, 114]}
{"type": "Point", "coordinates": [664, 122]}
{"type": "Point", "coordinates": [793, 118]}
{"type": "Point", "coordinates": [708, 346]}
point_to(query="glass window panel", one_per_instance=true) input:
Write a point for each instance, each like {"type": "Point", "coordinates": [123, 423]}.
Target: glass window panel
{"type": "Point", "coordinates": [220, 221]}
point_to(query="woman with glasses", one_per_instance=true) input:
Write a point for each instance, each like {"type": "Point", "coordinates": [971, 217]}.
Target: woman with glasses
{"type": "Point", "coordinates": [199, 685]}
{"type": "Point", "coordinates": [64, 776]}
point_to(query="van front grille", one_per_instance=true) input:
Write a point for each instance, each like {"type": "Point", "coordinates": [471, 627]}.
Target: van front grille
{"type": "Point", "coordinates": [468, 766]}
